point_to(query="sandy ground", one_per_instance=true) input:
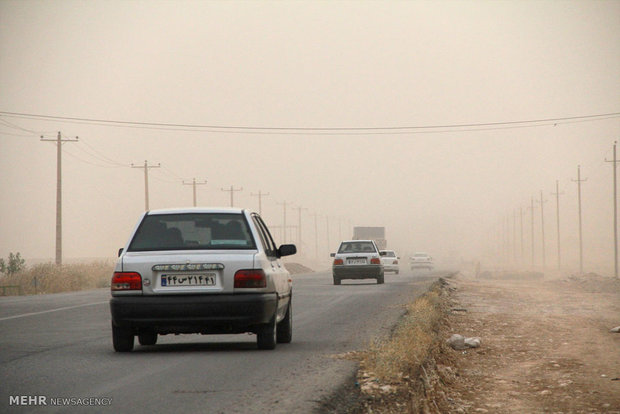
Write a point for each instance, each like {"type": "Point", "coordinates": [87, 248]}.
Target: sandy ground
{"type": "Point", "coordinates": [546, 345]}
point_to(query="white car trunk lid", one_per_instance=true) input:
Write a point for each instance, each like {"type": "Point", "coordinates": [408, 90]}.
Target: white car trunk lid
{"type": "Point", "coordinates": [188, 272]}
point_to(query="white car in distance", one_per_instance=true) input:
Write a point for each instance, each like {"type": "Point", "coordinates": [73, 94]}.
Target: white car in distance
{"type": "Point", "coordinates": [421, 260]}
{"type": "Point", "coordinates": [357, 259]}
{"type": "Point", "coordinates": [389, 258]}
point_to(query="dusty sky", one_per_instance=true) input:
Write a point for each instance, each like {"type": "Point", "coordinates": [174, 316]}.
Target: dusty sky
{"type": "Point", "coordinates": [313, 65]}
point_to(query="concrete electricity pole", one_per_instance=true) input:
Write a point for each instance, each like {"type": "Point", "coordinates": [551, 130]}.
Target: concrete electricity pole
{"type": "Point", "coordinates": [299, 209]}
{"type": "Point", "coordinates": [232, 191]}
{"type": "Point", "coordinates": [327, 232]}
{"type": "Point", "coordinates": [194, 183]}
{"type": "Point", "coordinates": [615, 162]}
{"type": "Point", "coordinates": [579, 181]}
{"type": "Point", "coordinates": [146, 167]}
{"type": "Point", "coordinates": [542, 228]}
{"type": "Point", "coordinates": [316, 235]}
{"type": "Point", "coordinates": [283, 221]}
{"type": "Point", "coordinates": [59, 140]}
{"type": "Point", "coordinates": [521, 217]}
{"type": "Point", "coordinates": [514, 236]}
{"type": "Point", "coordinates": [557, 195]}
{"type": "Point", "coordinates": [532, 221]}
{"type": "Point", "coordinates": [506, 225]}
{"type": "Point", "coordinates": [260, 196]}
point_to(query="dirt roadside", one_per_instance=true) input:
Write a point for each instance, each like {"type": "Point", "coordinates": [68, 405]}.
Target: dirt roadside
{"type": "Point", "coordinates": [546, 346]}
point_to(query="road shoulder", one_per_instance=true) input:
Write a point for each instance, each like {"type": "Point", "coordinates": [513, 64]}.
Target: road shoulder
{"type": "Point", "coordinates": [546, 345]}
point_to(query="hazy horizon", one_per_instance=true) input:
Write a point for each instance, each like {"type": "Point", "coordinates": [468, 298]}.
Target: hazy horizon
{"type": "Point", "coordinates": [277, 65]}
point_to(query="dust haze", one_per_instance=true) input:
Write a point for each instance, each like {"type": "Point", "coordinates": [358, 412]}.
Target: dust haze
{"type": "Point", "coordinates": [445, 163]}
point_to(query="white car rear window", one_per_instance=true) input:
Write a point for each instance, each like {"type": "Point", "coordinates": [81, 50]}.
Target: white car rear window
{"type": "Point", "coordinates": [357, 247]}
{"type": "Point", "coordinates": [193, 231]}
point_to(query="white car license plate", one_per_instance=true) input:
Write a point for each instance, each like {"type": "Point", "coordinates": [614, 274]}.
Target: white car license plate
{"type": "Point", "coordinates": [188, 280]}
{"type": "Point", "coordinates": [361, 261]}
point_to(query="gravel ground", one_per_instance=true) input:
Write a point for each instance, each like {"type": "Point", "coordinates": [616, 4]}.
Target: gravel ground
{"type": "Point", "coordinates": [546, 346]}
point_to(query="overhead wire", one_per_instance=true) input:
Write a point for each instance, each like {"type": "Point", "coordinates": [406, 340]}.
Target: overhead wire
{"type": "Point", "coordinates": [102, 157]}
{"type": "Point", "coordinates": [406, 129]}
{"type": "Point", "coordinates": [165, 180]}
{"type": "Point", "coordinates": [15, 135]}
{"type": "Point", "coordinates": [72, 155]}
{"type": "Point", "coordinates": [110, 164]}
{"type": "Point", "coordinates": [15, 126]}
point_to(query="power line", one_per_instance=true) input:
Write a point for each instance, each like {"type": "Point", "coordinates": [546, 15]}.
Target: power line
{"type": "Point", "coordinates": [15, 126]}
{"type": "Point", "coordinates": [297, 129]}
{"type": "Point", "coordinates": [103, 157]}
{"type": "Point", "coordinates": [98, 160]}
{"type": "Point", "coordinates": [74, 156]}
{"type": "Point", "coordinates": [15, 135]}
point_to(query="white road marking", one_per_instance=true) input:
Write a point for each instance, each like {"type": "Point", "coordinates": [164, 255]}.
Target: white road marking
{"type": "Point", "coordinates": [23, 315]}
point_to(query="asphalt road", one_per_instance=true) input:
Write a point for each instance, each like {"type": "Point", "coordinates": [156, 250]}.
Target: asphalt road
{"type": "Point", "coordinates": [60, 346]}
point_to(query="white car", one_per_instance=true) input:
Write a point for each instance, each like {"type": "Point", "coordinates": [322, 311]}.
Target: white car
{"type": "Point", "coordinates": [357, 259]}
{"type": "Point", "coordinates": [389, 258]}
{"type": "Point", "coordinates": [201, 270]}
{"type": "Point", "coordinates": [421, 261]}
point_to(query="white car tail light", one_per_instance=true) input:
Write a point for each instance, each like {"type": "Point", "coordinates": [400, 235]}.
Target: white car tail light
{"type": "Point", "coordinates": [250, 278]}
{"type": "Point", "coordinates": [126, 281]}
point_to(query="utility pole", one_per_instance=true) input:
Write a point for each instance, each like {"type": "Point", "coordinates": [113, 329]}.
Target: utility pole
{"type": "Point", "coordinates": [506, 225]}
{"type": "Point", "coordinates": [232, 191]}
{"type": "Point", "coordinates": [194, 183]}
{"type": "Point", "coordinates": [615, 162]}
{"type": "Point", "coordinates": [532, 221]}
{"type": "Point", "coordinates": [514, 236]}
{"type": "Point", "coordinates": [327, 233]}
{"type": "Point", "coordinates": [316, 235]}
{"type": "Point", "coordinates": [579, 181]}
{"type": "Point", "coordinates": [260, 196]}
{"type": "Point", "coordinates": [59, 140]}
{"type": "Point", "coordinates": [146, 167]}
{"type": "Point", "coordinates": [283, 221]}
{"type": "Point", "coordinates": [521, 217]}
{"type": "Point", "coordinates": [542, 228]}
{"type": "Point", "coordinates": [557, 195]}
{"type": "Point", "coordinates": [299, 209]}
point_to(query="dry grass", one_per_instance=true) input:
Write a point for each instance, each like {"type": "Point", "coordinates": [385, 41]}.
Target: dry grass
{"type": "Point", "coordinates": [411, 342]}
{"type": "Point", "coordinates": [49, 278]}
{"type": "Point", "coordinates": [399, 374]}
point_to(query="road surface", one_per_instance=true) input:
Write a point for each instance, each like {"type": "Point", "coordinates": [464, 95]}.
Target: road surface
{"type": "Point", "coordinates": [59, 346]}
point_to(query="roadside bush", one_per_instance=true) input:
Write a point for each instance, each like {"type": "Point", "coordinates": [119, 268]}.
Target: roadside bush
{"type": "Point", "coordinates": [401, 374]}
{"type": "Point", "coordinates": [50, 278]}
{"type": "Point", "coordinates": [411, 343]}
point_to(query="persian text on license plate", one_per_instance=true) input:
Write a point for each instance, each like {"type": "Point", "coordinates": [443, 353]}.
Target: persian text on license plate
{"type": "Point", "coordinates": [356, 261]}
{"type": "Point", "coordinates": [188, 280]}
